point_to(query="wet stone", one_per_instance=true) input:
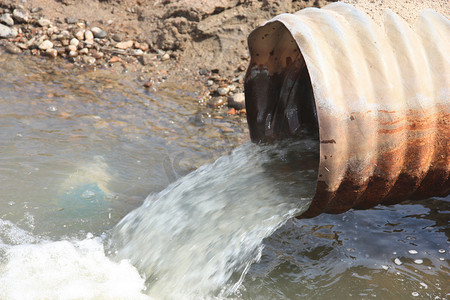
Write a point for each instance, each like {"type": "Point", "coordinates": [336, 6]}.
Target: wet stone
{"type": "Point", "coordinates": [20, 15]}
{"type": "Point", "coordinates": [6, 32]}
{"type": "Point", "coordinates": [89, 60]}
{"type": "Point", "coordinates": [45, 45]}
{"type": "Point", "coordinates": [237, 101]}
{"type": "Point", "coordinates": [222, 91]}
{"type": "Point", "coordinates": [216, 102]}
{"type": "Point", "coordinates": [51, 53]}
{"type": "Point", "coordinates": [7, 19]}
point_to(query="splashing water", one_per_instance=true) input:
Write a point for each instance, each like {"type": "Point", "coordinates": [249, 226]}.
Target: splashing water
{"type": "Point", "coordinates": [197, 238]}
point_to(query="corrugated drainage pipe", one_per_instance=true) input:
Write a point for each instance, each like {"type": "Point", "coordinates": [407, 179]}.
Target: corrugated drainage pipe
{"type": "Point", "coordinates": [378, 100]}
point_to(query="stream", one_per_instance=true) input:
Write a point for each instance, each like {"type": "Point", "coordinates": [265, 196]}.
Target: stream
{"type": "Point", "coordinates": [112, 191]}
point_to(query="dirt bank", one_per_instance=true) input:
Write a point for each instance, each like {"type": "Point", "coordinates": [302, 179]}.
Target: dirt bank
{"type": "Point", "coordinates": [183, 40]}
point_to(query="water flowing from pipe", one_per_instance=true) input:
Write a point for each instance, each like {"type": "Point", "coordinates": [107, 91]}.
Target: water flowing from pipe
{"type": "Point", "coordinates": [198, 237]}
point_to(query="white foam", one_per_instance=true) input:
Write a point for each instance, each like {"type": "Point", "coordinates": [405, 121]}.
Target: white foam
{"type": "Point", "coordinates": [63, 269]}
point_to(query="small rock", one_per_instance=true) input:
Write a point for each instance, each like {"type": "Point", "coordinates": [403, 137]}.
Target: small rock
{"type": "Point", "coordinates": [418, 261]}
{"type": "Point", "coordinates": [216, 102]}
{"type": "Point", "coordinates": [137, 52]}
{"type": "Point", "coordinates": [79, 35]}
{"type": "Point", "coordinates": [203, 72]}
{"type": "Point", "coordinates": [89, 60]}
{"type": "Point", "coordinates": [118, 37]}
{"type": "Point", "coordinates": [147, 59]}
{"type": "Point", "coordinates": [44, 22]}
{"type": "Point", "coordinates": [70, 20]}
{"type": "Point", "coordinates": [412, 251]}
{"type": "Point", "coordinates": [232, 88]}
{"type": "Point", "coordinates": [6, 32]}
{"type": "Point", "coordinates": [222, 91]}
{"type": "Point", "coordinates": [145, 47]}
{"type": "Point", "coordinates": [97, 54]}
{"type": "Point", "coordinates": [232, 111]}
{"type": "Point", "coordinates": [51, 52]}
{"type": "Point", "coordinates": [84, 51]}
{"type": "Point", "coordinates": [73, 53]}
{"type": "Point", "coordinates": [88, 35]}
{"type": "Point", "coordinates": [20, 15]}
{"type": "Point", "coordinates": [114, 59]}
{"type": "Point", "coordinates": [209, 82]}
{"type": "Point", "coordinates": [99, 33]}
{"type": "Point", "coordinates": [45, 45]}
{"type": "Point", "coordinates": [13, 49]}
{"type": "Point", "coordinates": [71, 48]}
{"type": "Point", "coordinates": [237, 101]}
{"type": "Point", "coordinates": [166, 56]}
{"type": "Point", "coordinates": [74, 42]}
{"type": "Point", "coordinates": [7, 19]}
{"type": "Point", "coordinates": [397, 261]}
{"type": "Point", "coordinates": [65, 42]}
{"type": "Point", "coordinates": [124, 45]}
{"type": "Point", "coordinates": [137, 45]}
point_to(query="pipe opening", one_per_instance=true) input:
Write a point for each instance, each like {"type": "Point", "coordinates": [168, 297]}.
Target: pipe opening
{"type": "Point", "coordinates": [279, 94]}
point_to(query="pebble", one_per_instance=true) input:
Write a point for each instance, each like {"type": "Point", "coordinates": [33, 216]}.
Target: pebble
{"type": "Point", "coordinates": [209, 82]}
{"type": "Point", "coordinates": [6, 32]}
{"type": "Point", "coordinates": [232, 88]}
{"type": "Point", "coordinates": [222, 91]}
{"type": "Point", "coordinates": [70, 20]}
{"type": "Point", "coordinates": [88, 35]}
{"type": "Point", "coordinates": [52, 52]}
{"type": "Point", "coordinates": [216, 102]}
{"type": "Point", "coordinates": [71, 48]}
{"type": "Point", "coordinates": [147, 59]}
{"type": "Point", "coordinates": [384, 267]}
{"type": "Point", "coordinates": [124, 45]}
{"type": "Point", "coordinates": [84, 51]}
{"type": "Point", "coordinates": [74, 42]}
{"type": "Point", "coordinates": [44, 22]}
{"type": "Point", "coordinates": [97, 54]}
{"type": "Point", "coordinates": [412, 252]}
{"type": "Point", "coordinates": [441, 251]}
{"type": "Point", "coordinates": [418, 261]}
{"type": "Point", "coordinates": [118, 37]}
{"type": "Point", "coordinates": [89, 60]}
{"type": "Point", "coordinates": [79, 35]}
{"type": "Point", "coordinates": [45, 45]}
{"type": "Point", "coordinates": [237, 101]}
{"type": "Point", "coordinates": [137, 52]}
{"type": "Point", "coordinates": [397, 261]}
{"type": "Point", "coordinates": [145, 47]}
{"type": "Point", "coordinates": [166, 56]}
{"type": "Point", "coordinates": [73, 53]}
{"type": "Point", "coordinates": [7, 19]}
{"type": "Point", "coordinates": [20, 15]}
{"type": "Point", "coordinates": [99, 33]}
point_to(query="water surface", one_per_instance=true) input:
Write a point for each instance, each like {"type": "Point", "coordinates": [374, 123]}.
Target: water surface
{"type": "Point", "coordinates": [81, 150]}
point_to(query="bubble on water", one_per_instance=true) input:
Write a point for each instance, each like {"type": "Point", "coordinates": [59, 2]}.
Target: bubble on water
{"type": "Point", "coordinates": [397, 261]}
{"type": "Point", "coordinates": [424, 285]}
{"type": "Point", "coordinates": [415, 294]}
{"type": "Point", "coordinates": [412, 252]}
{"type": "Point", "coordinates": [52, 108]}
{"type": "Point", "coordinates": [441, 251]}
{"type": "Point", "coordinates": [418, 261]}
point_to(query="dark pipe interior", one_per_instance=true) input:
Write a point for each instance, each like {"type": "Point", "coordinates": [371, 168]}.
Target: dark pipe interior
{"type": "Point", "coordinates": [280, 105]}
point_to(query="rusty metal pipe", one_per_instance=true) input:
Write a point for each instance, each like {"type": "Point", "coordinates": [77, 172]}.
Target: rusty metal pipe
{"type": "Point", "coordinates": [377, 100]}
